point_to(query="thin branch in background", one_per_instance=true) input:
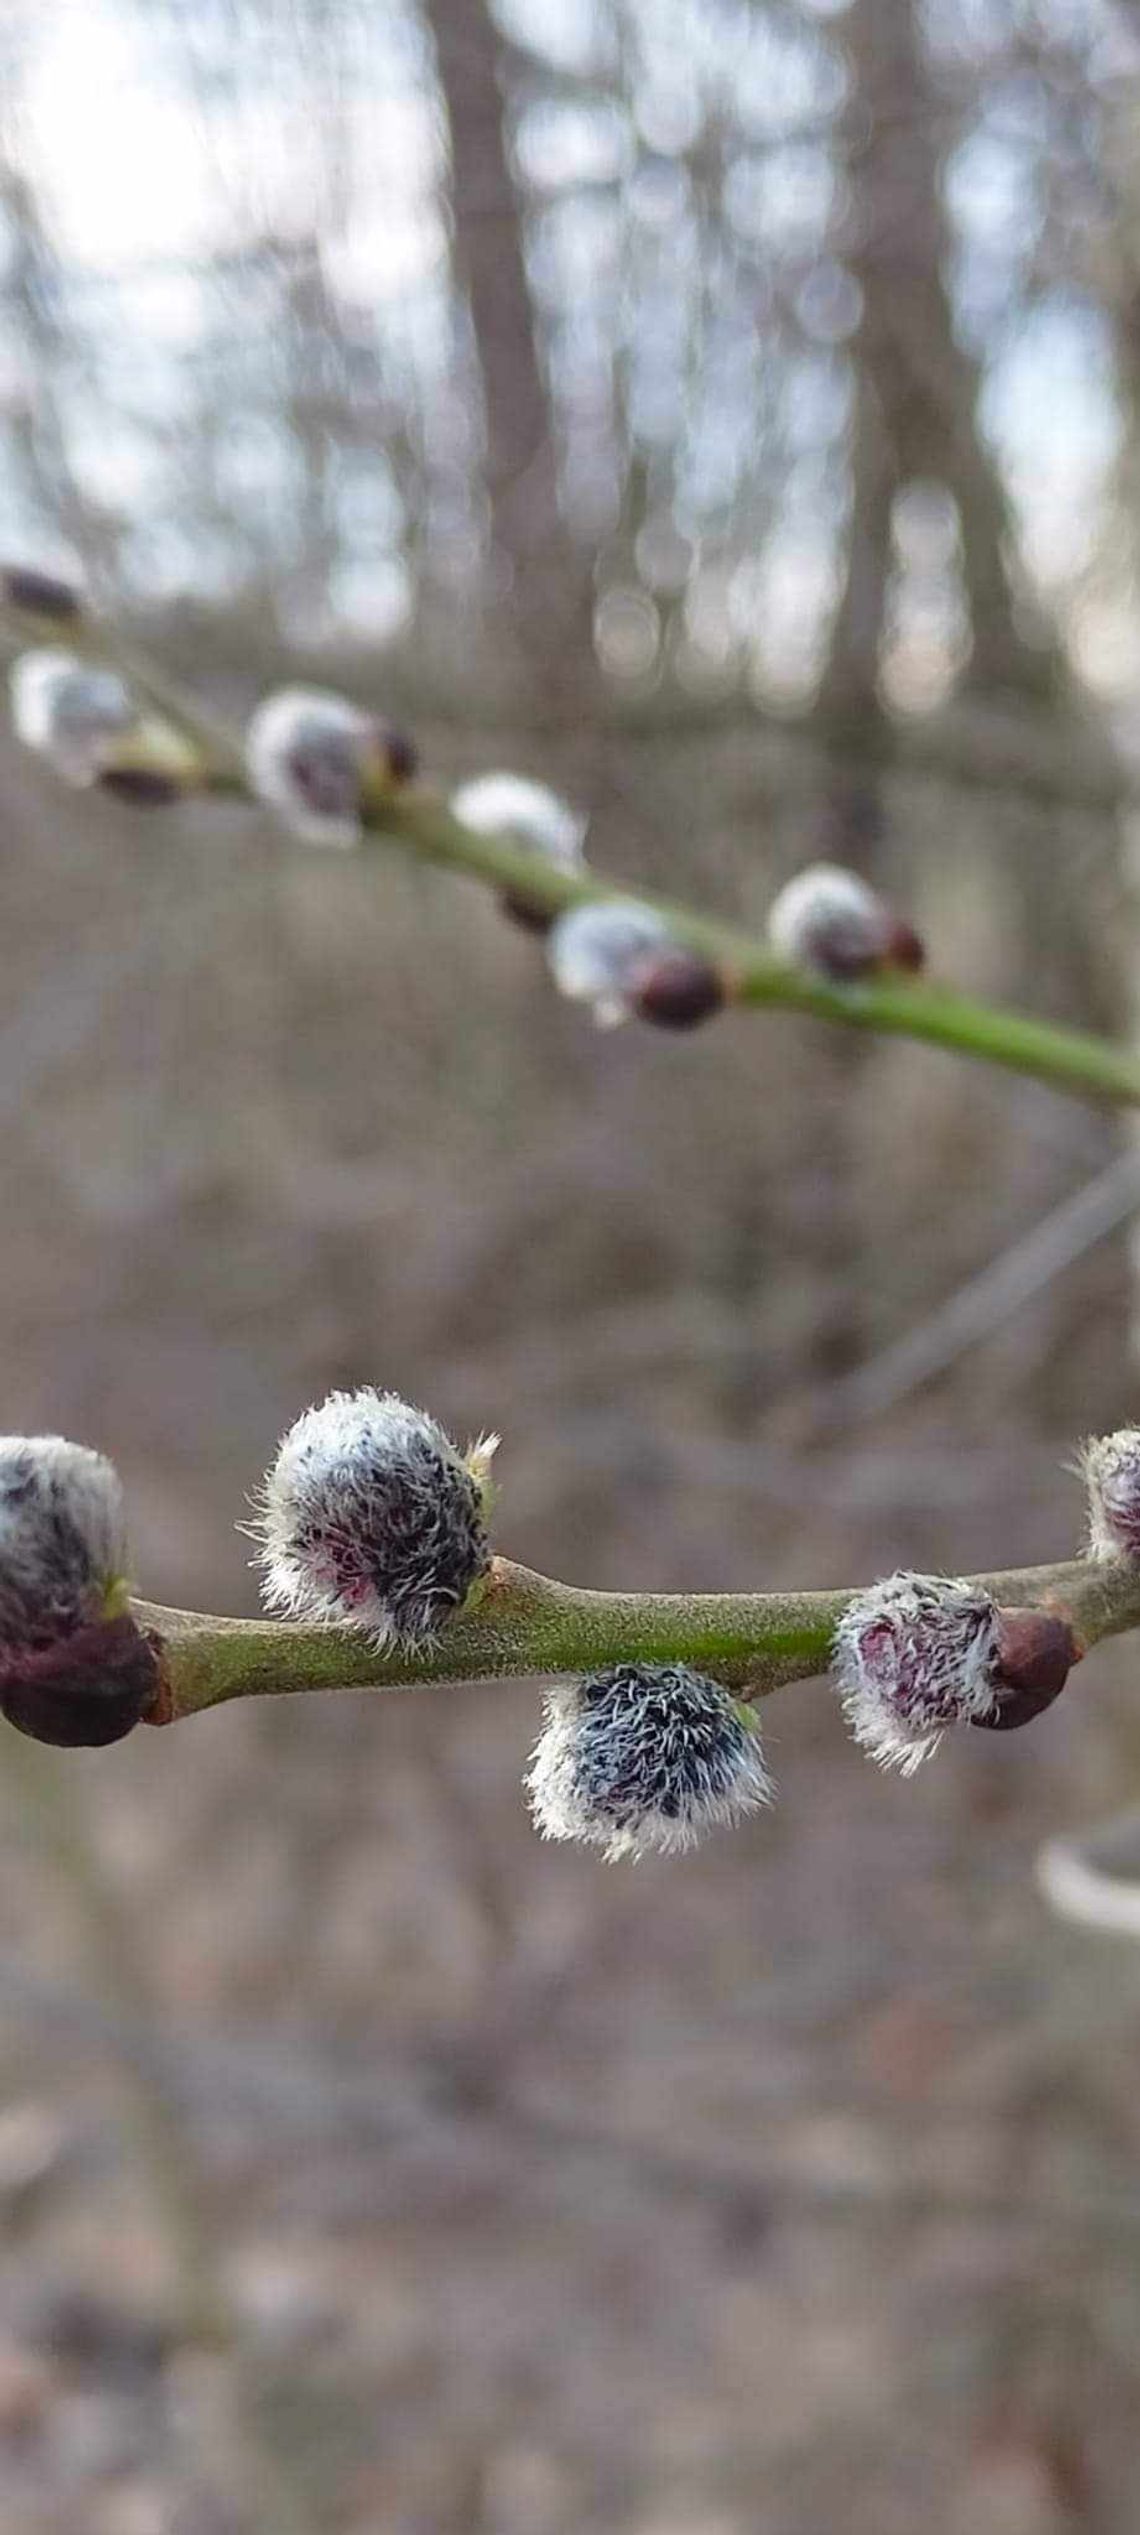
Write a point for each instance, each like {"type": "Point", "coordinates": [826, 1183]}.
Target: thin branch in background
{"type": "Point", "coordinates": [750, 972]}
{"type": "Point", "coordinates": [296, 2096]}
{"type": "Point", "coordinates": [970, 1315]}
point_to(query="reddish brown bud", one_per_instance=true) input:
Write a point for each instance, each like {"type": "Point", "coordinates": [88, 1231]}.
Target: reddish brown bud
{"type": "Point", "coordinates": [402, 755]}
{"type": "Point", "coordinates": [904, 947]}
{"type": "Point", "coordinates": [142, 786]}
{"type": "Point", "coordinates": [83, 1690]}
{"type": "Point", "coordinates": [41, 594]}
{"type": "Point", "coordinates": [676, 988]}
{"type": "Point", "coordinates": [1035, 1654]}
{"type": "Point", "coordinates": [526, 912]}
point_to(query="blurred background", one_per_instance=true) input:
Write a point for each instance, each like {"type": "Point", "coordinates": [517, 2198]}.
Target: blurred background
{"type": "Point", "coordinates": [729, 411]}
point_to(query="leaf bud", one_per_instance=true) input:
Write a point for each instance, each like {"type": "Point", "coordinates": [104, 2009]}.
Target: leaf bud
{"type": "Point", "coordinates": [677, 988]}
{"type": "Point", "coordinates": [141, 787]}
{"type": "Point", "coordinates": [33, 593]}
{"type": "Point", "coordinates": [84, 1691]}
{"type": "Point", "coordinates": [1036, 1651]}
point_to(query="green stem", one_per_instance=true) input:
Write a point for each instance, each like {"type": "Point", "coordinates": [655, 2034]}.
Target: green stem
{"type": "Point", "coordinates": [218, 748]}
{"type": "Point", "coordinates": [526, 1625]}
{"type": "Point", "coordinates": [1071, 1060]}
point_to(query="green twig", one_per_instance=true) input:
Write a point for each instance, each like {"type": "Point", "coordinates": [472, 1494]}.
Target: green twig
{"type": "Point", "coordinates": [1072, 1061]}
{"type": "Point", "coordinates": [526, 1625]}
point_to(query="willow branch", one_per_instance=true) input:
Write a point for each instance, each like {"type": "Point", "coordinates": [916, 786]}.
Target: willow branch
{"type": "Point", "coordinates": [1072, 1060]}
{"type": "Point", "coordinates": [526, 1625]}
{"type": "Point", "coordinates": [414, 816]}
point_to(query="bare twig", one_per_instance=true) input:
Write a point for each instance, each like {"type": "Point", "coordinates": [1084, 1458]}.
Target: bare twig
{"type": "Point", "coordinates": [526, 1625]}
{"type": "Point", "coordinates": [412, 815]}
{"type": "Point", "coordinates": [993, 1295]}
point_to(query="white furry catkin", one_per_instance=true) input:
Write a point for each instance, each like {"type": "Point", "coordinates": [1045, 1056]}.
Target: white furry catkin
{"type": "Point", "coordinates": [597, 954]}
{"type": "Point", "coordinates": [70, 713]}
{"type": "Point", "coordinates": [1110, 1466]}
{"type": "Point", "coordinates": [63, 1539]}
{"type": "Point", "coordinates": [644, 1758]}
{"type": "Point", "coordinates": [370, 1515]}
{"type": "Point", "coordinates": [76, 1670]}
{"type": "Point", "coordinates": [911, 1656]}
{"type": "Point", "coordinates": [310, 757]}
{"type": "Point", "coordinates": [526, 812]}
{"type": "Point", "coordinates": [828, 919]}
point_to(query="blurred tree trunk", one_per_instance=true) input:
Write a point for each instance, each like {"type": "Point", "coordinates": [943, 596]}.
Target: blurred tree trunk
{"type": "Point", "coordinates": [917, 390]}
{"type": "Point", "coordinates": [914, 419]}
{"type": "Point", "coordinates": [547, 599]}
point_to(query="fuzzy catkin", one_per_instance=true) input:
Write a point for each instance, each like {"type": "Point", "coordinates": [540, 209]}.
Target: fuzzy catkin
{"type": "Point", "coordinates": [305, 750]}
{"type": "Point", "coordinates": [644, 1758]}
{"type": "Point", "coordinates": [828, 919]}
{"type": "Point", "coordinates": [62, 1538]}
{"type": "Point", "coordinates": [69, 712]}
{"type": "Point", "coordinates": [911, 1656]}
{"type": "Point", "coordinates": [370, 1515]}
{"type": "Point", "coordinates": [1110, 1466]}
{"type": "Point", "coordinates": [529, 813]}
{"type": "Point", "coordinates": [597, 954]}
